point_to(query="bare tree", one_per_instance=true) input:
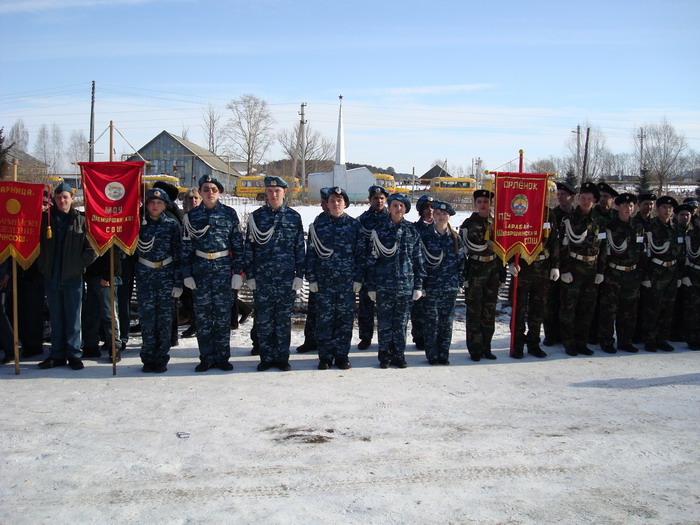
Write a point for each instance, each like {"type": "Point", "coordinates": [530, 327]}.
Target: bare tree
{"type": "Point", "coordinates": [663, 153]}
{"type": "Point", "coordinates": [56, 149]}
{"type": "Point", "coordinates": [249, 131]}
{"type": "Point", "coordinates": [42, 147]}
{"type": "Point", "coordinates": [318, 151]}
{"type": "Point", "coordinates": [543, 166]}
{"type": "Point", "coordinates": [597, 151]}
{"type": "Point", "coordinates": [19, 135]}
{"type": "Point", "coordinates": [214, 132]}
{"type": "Point", "coordinates": [78, 149]}
{"type": "Point", "coordinates": [185, 132]}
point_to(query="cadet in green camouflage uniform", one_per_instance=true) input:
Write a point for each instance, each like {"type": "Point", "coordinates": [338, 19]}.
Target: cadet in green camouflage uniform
{"type": "Point", "coordinates": [564, 208]}
{"type": "Point", "coordinates": [620, 294]}
{"type": "Point", "coordinates": [582, 250]}
{"type": "Point", "coordinates": [533, 288]}
{"type": "Point", "coordinates": [645, 205]}
{"type": "Point", "coordinates": [662, 278]}
{"type": "Point", "coordinates": [483, 275]}
{"type": "Point", "coordinates": [691, 283]}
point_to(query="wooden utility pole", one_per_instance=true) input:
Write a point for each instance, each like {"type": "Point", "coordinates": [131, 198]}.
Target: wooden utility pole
{"type": "Point", "coordinates": [641, 150]}
{"type": "Point", "coordinates": [15, 320]}
{"type": "Point", "coordinates": [302, 142]}
{"type": "Point", "coordinates": [91, 156]}
{"type": "Point", "coordinates": [585, 156]}
{"type": "Point", "coordinates": [111, 262]}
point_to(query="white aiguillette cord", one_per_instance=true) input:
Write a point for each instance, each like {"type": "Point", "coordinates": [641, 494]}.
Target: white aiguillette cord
{"type": "Point", "coordinates": [321, 250]}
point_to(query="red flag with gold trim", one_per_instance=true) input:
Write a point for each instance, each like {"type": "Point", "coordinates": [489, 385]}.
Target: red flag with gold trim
{"type": "Point", "coordinates": [112, 194]}
{"type": "Point", "coordinates": [519, 207]}
{"type": "Point", "coordinates": [20, 221]}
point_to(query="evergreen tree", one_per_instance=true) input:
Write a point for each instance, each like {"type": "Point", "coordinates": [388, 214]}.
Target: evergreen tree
{"type": "Point", "coordinates": [571, 178]}
{"type": "Point", "coordinates": [644, 186]}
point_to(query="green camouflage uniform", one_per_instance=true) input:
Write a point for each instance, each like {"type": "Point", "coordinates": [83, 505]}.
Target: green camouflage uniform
{"type": "Point", "coordinates": [551, 315]}
{"type": "Point", "coordinates": [533, 288]}
{"type": "Point", "coordinates": [483, 272]}
{"type": "Point", "coordinates": [637, 337]}
{"type": "Point", "coordinates": [663, 272]}
{"type": "Point", "coordinates": [606, 216]}
{"type": "Point", "coordinates": [619, 294]}
{"type": "Point", "coordinates": [582, 250]}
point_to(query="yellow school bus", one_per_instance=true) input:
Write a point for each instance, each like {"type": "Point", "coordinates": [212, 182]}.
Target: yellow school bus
{"type": "Point", "coordinates": [389, 183]}
{"type": "Point", "coordinates": [253, 187]}
{"type": "Point", "coordinates": [458, 186]}
{"type": "Point", "coordinates": [150, 180]}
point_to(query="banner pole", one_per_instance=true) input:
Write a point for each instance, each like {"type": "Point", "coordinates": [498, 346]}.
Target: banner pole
{"type": "Point", "coordinates": [15, 322]}
{"type": "Point", "coordinates": [111, 289]}
{"type": "Point", "coordinates": [514, 298]}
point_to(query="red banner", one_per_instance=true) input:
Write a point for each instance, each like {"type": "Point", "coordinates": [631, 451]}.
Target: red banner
{"type": "Point", "coordinates": [519, 214]}
{"type": "Point", "coordinates": [20, 221]}
{"type": "Point", "coordinates": [112, 194]}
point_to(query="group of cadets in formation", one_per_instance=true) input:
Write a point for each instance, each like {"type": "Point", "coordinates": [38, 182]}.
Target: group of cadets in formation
{"type": "Point", "coordinates": [603, 271]}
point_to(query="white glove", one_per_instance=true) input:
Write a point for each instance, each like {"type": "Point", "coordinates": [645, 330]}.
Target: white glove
{"type": "Point", "coordinates": [512, 269]}
{"type": "Point", "coordinates": [250, 283]}
{"type": "Point", "coordinates": [686, 281]}
{"type": "Point", "coordinates": [177, 292]}
{"type": "Point", "coordinates": [465, 284]}
{"type": "Point", "coordinates": [189, 282]}
{"type": "Point", "coordinates": [678, 284]}
{"type": "Point", "coordinates": [356, 287]}
{"type": "Point", "coordinates": [599, 278]}
{"type": "Point", "coordinates": [313, 287]}
{"type": "Point", "coordinates": [236, 282]}
{"type": "Point", "coordinates": [373, 296]}
{"type": "Point", "coordinates": [297, 283]}
{"type": "Point", "coordinates": [417, 294]}
{"type": "Point", "coordinates": [554, 274]}
{"type": "Point", "coordinates": [646, 284]}
{"type": "Point", "coordinates": [567, 278]}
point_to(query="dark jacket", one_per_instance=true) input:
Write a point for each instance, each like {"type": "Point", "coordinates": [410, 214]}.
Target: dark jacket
{"type": "Point", "coordinates": [77, 252]}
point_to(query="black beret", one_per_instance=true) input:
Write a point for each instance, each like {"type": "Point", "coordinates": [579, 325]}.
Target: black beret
{"type": "Point", "coordinates": [378, 189]}
{"type": "Point", "coordinates": [625, 198]}
{"type": "Point", "coordinates": [605, 187]}
{"type": "Point", "coordinates": [666, 200]}
{"type": "Point", "coordinates": [646, 197]}
{"type": "Point", "coordinates": [171, 190]}
{"type": "Point", "coordinates": [589, 187]}
{"type": "Point", "coordinates": [685, 207]}
{"type": "Point", "coordinates": [566, 187]}
{"type": "Point", "coordinates": [483, 193]}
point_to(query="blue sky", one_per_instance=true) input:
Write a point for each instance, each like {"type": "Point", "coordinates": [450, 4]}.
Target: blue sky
{"type": "Point", "coordinates": [421, 80]}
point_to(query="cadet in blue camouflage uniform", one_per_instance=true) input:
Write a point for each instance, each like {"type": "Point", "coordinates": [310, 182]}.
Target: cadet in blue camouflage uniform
{"type": "Point", "coordinates": [582, 255]}
{"type": "Point", "coordinates": [626, 262]}
{"type": "Point", "coordinates": [212, 263]}
{"type": "Point", "coordinates": [369, 220]}
{"type": "Point", "coordinates": [483, 277]}
{"type": "Point", "coordinates": [158, 280]}
{"type": "Point", "coordinates": [334, 269]}
{"type": "Point", "coordinates": [444, 268]}
{"type": "Point", "coordinates": [425, 211]}
{"type": "Point", "coordinates": [691, 282]}
{"type": "Point", "coordinates": [663, 276]}
{"type": "Point", "coordinates": [274, 271]}
{"type": "Point", "coordinates": [533, 288]}
{"type": "Point", "coordinates": [394, 279]}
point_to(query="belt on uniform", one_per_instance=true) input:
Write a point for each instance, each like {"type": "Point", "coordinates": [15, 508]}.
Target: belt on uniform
{"type": "Point", "coordinates": [584, 258]}
{"type": "Point", "coordinates": [665, 264]}
{"type": "Point", "coordinates": [213, 255]}
{"type": "Point", "coordinates": [622, 268]}
{"type": "Point", "coordinates": [158, 264]}
{"type": "Point", "coordinates": [696, 266]}
{"type": "Point", "coordinates": [542, 256]}
{"type": "Point", "coordinates": [483, 258]}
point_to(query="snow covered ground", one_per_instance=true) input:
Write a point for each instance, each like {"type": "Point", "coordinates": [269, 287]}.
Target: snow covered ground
{"type": "Point", "coordinates": [605, 439]}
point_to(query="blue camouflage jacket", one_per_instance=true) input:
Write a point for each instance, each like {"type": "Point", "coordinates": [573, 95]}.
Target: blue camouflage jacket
{"type": "Point", "coordinates": [158, 240]}
{"type": "Point", "coordinates": [369, 220]}
{"type": "Point", "coordinates": [335, 254]}
{"type": "Point", "coordinates": [444, 264]}
{"type": "Point", "coordinates": [395, 259]}
{"type": "Point", "coordinates": [211, 230]}
{"type": "Point", "coordinates": [274, 247]}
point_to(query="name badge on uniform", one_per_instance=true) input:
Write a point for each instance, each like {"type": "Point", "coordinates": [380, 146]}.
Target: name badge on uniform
{"type": "Point", "coordinates": [680, 240]}
{"type": "Point", "coordinates": [640, 239]}
{"type": "Point", "coordinates": [546, 226]}
{"type": "Point", "coordinates": [602, 235]}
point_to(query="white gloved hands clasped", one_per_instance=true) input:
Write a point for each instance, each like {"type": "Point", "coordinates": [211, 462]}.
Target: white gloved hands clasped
{"type": "Point", "coordinates": [189, 283]}
{"type": "Point", "coordinates": [567, 278]}
{"type": "Point", "coordinates": [236, 282]}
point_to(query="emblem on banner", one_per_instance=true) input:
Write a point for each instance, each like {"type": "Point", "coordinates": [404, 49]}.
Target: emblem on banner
{"type": "Point", "coordinates": [519, 205]}
{"type": "Point", "coordinates": [115, 191]}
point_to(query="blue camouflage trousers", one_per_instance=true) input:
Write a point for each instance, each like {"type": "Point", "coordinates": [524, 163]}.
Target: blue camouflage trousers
{"type": "Point", "coordinates": [273, 323]}
{"type": "Point", "coordinates": [365, 315]}
{"type": "Point", "coordinates": [334, 318]}
{"type": "Point", "coordinates": [439, 316]}
{"type": "Point", "coordinates": [213, 299]}
{"type": "Point", "coordinates": [392, 321]}
{"type": "Point", "coordinates": [156, 306]}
